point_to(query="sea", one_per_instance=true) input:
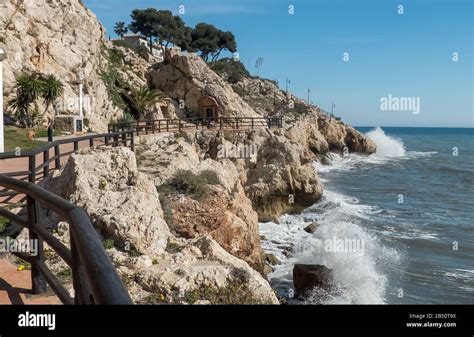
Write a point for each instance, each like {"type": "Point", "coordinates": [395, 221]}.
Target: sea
{"type": "Point", "coordinates": [395, 227]}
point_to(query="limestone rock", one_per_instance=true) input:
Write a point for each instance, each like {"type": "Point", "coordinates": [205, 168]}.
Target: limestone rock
{"type": "Point", "coordinates": [226, 214]}
{"type": "Point", "coordinates": [187, 77]}
{"type": "Point", "coordinates": [121, 202]}
{"type": "Point", "coordinates": [60, 38]}
{"type": "Point", "coordinates": [200, 270]}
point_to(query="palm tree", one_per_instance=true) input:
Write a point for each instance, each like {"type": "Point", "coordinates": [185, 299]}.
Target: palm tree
{"type": "Point", "coordinates": [28, 88]}
{"type": "Point", "coordinates": [52, 89]}
{"type": "Point", "coordinates": [120, 29]}
{"type": "Point", "coordinates": [142, 98]}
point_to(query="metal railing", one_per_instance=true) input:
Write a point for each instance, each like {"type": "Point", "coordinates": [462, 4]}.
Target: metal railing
{"type": "Point", "coordinates": [196, 123]}
{"type": "Point", "coordinates": [94, 277]}
{"type": "Point", "coordinates": [42, 160]}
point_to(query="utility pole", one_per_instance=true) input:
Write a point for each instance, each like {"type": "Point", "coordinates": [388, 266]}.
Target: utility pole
{"type": "Point", "coordinates": [309, 91]}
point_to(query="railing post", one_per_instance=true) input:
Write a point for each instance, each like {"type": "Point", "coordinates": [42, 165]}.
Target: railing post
{"type": "Point", "coordinates": [106, 140]}
{"type": "Point", "coordinates": [179, 125]}
{"type": "Point", "coordinates": [82, 292]}
{"type": "Point", "coordinates": [153, 127]}
{"type": "Point", "coordinates": [76, 146]}
{"type": "Point", "coordinates": [32, 169]}
{"type": "Point", "coordinates": [132, 141]}
{"type": "Point", "coordinates": [167, 125]}
{"type": "Point", "coordinates": [39, 285]}
{"type": "Point", "coordinates": [159, 126]}
{"type": "Point", "coordinates": [46, 164]}
{"type": "Point", "coordinates": [91, 142]}
{"type": "Point", "coordinates": [253, 120]}
{"type": "Point", "coordinates": [57, 156]}
{"type": "Point", "coordinates": [237, 120]}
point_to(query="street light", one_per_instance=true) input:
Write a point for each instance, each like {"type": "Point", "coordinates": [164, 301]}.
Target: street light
{"type": "Point", "coordinates": [80, 80]}
{"type": "Point", "coordinates": [3, 56]}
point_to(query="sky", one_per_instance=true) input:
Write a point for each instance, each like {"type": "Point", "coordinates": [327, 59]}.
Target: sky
{"type": "Point", "coordinates": [353, 54]}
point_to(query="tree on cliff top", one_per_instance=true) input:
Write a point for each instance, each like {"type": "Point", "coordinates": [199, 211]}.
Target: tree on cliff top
{"type": "Point", "coordinates": [169, 29]}
{"type": "Point", "coordinates": [144, 22]}
{"type": "Point", "coordinates": [120, 29]}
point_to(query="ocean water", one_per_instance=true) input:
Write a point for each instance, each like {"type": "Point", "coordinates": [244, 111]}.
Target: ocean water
{"type": "Point", "coordinates": [395, 227]}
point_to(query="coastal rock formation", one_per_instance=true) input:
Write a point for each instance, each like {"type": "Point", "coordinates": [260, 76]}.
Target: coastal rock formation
{"type": "Point", "coordinates": [125, 208]}
{"type": "Point", "coordinates": [187, 78]}
{"type": "Point", "coordinates": [121, 202]}
{"type": "Point", "coordinates": [226, 213]}
{"type": "Point", "coordinates": [60, 38]}
{"type": "Point", "coordinates": [281, 179]}
{"type": "Point", "coordinates": [194, 271]}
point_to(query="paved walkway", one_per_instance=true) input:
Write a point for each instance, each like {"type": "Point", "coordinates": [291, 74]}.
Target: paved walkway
{"type": "Point", "coordinates": [15, 287]}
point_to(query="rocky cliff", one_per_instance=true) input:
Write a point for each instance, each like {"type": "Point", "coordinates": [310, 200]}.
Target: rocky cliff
{"type": "Point", "coordinates": [155, 265]}
{"type": "Point", "coordinates": [60, 38]}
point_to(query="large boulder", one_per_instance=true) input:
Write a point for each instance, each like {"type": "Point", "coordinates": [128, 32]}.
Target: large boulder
{"type": "Point", "coordinates": [122, 203]}
{"type": "Point", "coordinates": [308, 277]}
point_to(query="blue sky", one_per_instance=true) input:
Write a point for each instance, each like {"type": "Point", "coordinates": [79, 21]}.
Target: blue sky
{"type": "Point", "coordinates": [407, 55]}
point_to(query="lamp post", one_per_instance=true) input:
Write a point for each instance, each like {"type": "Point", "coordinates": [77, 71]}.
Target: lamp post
{"type": "Point", "coordinates": [80, 80]}
{"type": "Point", "coordinates": [3, 56]}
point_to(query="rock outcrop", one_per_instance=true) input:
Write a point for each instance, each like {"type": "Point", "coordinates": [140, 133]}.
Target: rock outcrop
{"type": "Point", "coordinates": [60, 38]}
{"type": "Point", "coordinates": [121, 202]}
{"type": "Point", "coordinates": [226, 213]}
{"type": "Point", "coordinates": [187, 78]}
{"type": "Point", "coordinates": [125, 208]}
{"type": "Point", "coordinates": [196, 271]}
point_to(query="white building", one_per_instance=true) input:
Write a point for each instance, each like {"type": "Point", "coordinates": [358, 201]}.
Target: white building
{"type": "Point", "coordinates": [138, 40]}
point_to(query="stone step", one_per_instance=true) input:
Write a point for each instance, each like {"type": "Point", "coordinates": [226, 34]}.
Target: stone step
{"type": "Point", "coordinates": [15, 287]}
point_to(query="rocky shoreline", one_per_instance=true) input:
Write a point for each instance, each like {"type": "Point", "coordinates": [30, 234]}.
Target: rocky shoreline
{"type": "Point", "coordinates": [180, 216]}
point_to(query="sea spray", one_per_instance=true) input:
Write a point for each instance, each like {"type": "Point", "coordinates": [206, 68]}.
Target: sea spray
{"type": "Point", "coordinates": [386, 146]}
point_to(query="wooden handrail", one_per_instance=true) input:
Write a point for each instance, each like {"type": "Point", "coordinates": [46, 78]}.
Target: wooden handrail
{"type": "Point", "coordinates": [165, 125]}
{"type": "Point", "coordinates": [48, 146]}
{"type": "Point", "coordinates": [100, 276]}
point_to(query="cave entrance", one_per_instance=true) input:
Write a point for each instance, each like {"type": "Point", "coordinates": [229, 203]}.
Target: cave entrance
{"type": "Point", "coordinates": [209, 108]}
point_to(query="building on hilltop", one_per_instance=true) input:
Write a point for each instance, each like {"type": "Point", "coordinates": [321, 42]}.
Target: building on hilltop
{"type": "Point", "coordinates": [139, 40]}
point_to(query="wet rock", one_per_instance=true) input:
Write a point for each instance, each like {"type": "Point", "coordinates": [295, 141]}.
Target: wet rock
{"type": "Point", "coordinates": [311, 228]}
{"type": "Point", "coordinates": [271, 259]}
{"type": "Point", "coordinates": [308, 277]}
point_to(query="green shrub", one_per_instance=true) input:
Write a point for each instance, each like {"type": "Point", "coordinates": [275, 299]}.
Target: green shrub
{"type": "Point", "coordinates": [141, 51]}
{"type": "Point", "coordinates": [234, 70]}
{"type": "Point", "coordinates": [183, 135]}
{"type": "Point", "coordinates": [210, 177]}
{"type": "Point", "coordinates": [167, 209]}
{"type": "Point", "coordinates": [108, 244]}
{"type": "Point", "coordinates": [195, 185]}
{"type": "Point", "coordinates": [127, 118]}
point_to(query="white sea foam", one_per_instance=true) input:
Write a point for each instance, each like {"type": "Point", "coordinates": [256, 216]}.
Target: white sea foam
{"type": "Point", "coordinates": [389, 149]}
{"type": "Point", "coordinates": [357, 276]}
{"type": "Point", "coordinates": [386, 146]}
